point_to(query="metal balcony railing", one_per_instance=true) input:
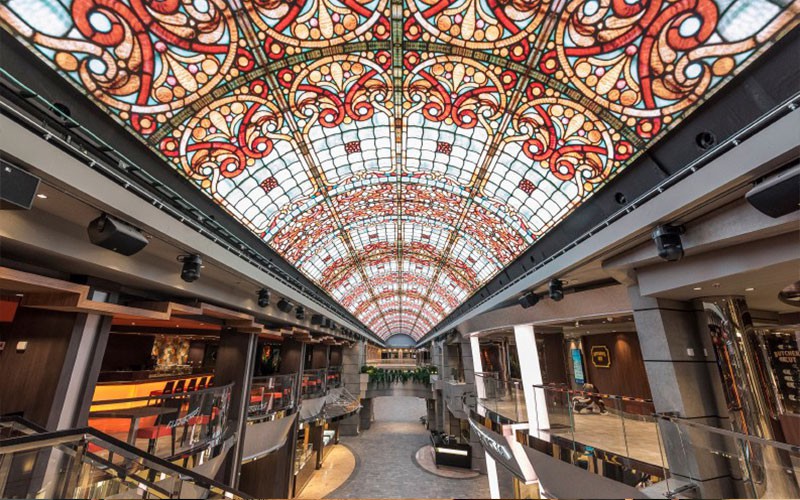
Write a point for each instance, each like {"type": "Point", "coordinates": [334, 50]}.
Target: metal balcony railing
{"type": "Point", "coordinates": [271, 395]}
{"type": "Point", "coordinates": [86, 463]}
{"type": "Point", "coordinates": [504, 397]}
{"type": "Point", "coordinates": [166, 425]}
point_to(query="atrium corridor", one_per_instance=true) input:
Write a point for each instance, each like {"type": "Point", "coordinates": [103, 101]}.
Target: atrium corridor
{"type": "Point", "coordinates": [387, 450]}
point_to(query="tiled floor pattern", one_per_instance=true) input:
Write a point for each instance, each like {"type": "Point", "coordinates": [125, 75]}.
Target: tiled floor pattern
{"type": "Point", "coordinates": [385, 466]}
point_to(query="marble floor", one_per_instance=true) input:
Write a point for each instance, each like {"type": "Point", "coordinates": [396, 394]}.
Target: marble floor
{"type": "Point", "coordinates": [385, 464]}
{"type": "Point", "coordinates": [337, 468]}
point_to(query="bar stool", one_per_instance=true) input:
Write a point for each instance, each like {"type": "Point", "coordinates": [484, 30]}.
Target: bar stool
{"type": "Point", "coordinates": [202, 383]}
{"type": "Point", "coordinates": [191, 386]}
{"type": "Point", "coordinates": [179, 386]}
{"type": "Point", "coordinates": [166, 390]}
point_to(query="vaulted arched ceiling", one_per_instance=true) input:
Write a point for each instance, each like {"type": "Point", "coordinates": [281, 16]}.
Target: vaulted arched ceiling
{"type": "Point", "coordinates": [400, 153]}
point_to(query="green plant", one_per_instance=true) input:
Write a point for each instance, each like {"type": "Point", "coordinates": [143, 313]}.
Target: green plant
{"type": "Point", "coordinates": [364, 368]}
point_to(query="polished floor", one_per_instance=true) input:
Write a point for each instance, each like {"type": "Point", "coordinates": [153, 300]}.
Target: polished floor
{"type": "Point", "coordinates": [385, 463]}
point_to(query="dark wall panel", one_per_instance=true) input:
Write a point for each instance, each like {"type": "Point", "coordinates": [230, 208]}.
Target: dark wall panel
{"type": "Point", "coordinates": [319, 356]}
{"type": "Point", "coordinates": [128, 352]}
{"type": "Point", "coordinates": [336, 356]}
{"type": "Point", "coordinates": [626, 376]}
{"type": "Point", "coordinates": [555, 363]}
{"type": "Point", "coordinates": [291, 356]}
{"type": "Point", "coordinates": [31, 379]}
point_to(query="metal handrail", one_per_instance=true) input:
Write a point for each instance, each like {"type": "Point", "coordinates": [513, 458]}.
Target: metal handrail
{"type": "Point", "coordinates": [67, 436]}
{"type": "Point", "coordinates": [593, 394]}
{"type": "Point", "coordinates": [725, 432]}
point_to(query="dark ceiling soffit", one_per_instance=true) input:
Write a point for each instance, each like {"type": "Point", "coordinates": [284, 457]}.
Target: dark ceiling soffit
{"type": "Point", "coordinates": [41, 79]}
{"type": "Point", "coordinates": [767, 84]}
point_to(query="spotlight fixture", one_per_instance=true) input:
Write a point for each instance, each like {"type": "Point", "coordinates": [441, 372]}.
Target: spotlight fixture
{"type": "Point", "coordinates": [668, 242]}
{"type": "Point", "coordinates": [300, 312]}
{"type": "Point", "coordinates": [191, 267]}
{"type": "Point", "coordinates": [528, 300]}
{"type": "Point", "coordinates": [263, 297]}
{"type": "Point", "coordinates": [317, 319]}
{"type": "Point", "coordinates": [285, 306]}
{"type": "Point", "coordinates": [556, 289]}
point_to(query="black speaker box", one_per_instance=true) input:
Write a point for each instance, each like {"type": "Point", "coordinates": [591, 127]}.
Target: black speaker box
{"type": "Point", "coordinates": [116, 235]}
{"type": "Point", "coordinates": [530, 299]}
{"type": "Point", "coordinates": [17, 187]}
{"type": "Point", "coordinates": [777, 195]}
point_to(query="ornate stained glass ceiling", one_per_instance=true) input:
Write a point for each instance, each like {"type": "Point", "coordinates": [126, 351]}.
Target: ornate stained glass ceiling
{"type": "Point", "coordinates": [399, 152]}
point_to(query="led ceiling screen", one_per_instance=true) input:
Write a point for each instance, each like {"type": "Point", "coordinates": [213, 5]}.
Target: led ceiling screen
{"type": "Point", "coordinates": [400, 153]}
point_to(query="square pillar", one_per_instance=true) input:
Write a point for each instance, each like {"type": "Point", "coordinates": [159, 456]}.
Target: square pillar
{"type": "Point", "coordinates": [684, 379]}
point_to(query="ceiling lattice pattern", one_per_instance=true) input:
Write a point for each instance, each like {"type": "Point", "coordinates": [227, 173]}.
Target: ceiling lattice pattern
{"type": "Point", "coordinates": [400, 153]}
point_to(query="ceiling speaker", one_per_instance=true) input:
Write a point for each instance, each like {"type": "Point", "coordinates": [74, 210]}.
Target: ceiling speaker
{"type": "Point", "coordinates": [115, 235]}
{"type": "Point", "coordinates": [777, 195]}
{"type": "Point", "coordinates": [17, 187]}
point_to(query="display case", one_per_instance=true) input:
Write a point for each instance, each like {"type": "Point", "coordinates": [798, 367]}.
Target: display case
{"type": "Point", "coordinates": [303, 458]}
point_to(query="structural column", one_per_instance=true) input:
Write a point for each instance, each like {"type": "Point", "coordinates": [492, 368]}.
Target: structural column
{"type": "Point", "coordinates": [235, 361]}
{"type": "Point", "coordinates": [351, 380]}
{"type": "Point", "coordinates": [535, 402]}
{"type": "Point", "coordinates": [51, 381]}
{"type": "Point", "coordinates": [684, 380]}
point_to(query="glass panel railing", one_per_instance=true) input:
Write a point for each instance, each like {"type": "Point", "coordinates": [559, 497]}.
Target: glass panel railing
{"type": "Point", "coordinates": [85, 463]}
{"type": "Point", "coordinates": [592, 422]}
{"type": "Point", "coordinates": [504, 397]}
{"type": "Point", "coordinates": [334, 377]}
{"type": "Point", "coordinates": [313, 384]}
{"type": "Point", "coordinates": [271, 395]}
{"type": "Point", "coordinates": [166, 425]}
{"type": "Point", "coordinates": [758, 468]}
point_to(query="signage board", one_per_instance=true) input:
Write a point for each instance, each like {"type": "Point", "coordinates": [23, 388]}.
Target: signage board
{"type": "Point", "coordinates": [506, 451]}
{"type": "Point", "coordinates": [577, 367]}
{"type": "Point", "coordinates": [601, 358]}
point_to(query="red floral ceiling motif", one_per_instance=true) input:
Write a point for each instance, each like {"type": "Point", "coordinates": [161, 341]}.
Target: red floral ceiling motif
{"type": "Point", "coordinates": [400, 153]}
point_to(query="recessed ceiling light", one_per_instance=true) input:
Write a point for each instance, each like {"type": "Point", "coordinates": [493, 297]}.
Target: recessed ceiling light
{"type": "Point", "coordinates": [19, 294]}
{"type": "Point", "coordinates": [697, 288]}
{"type": "Point", "coordinates": [41, 196]}
{"type": "Point", "coordinates": [749, 289]}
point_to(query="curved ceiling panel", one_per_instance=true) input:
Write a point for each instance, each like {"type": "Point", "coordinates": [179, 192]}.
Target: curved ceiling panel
{"type": "Point", "coordinates": [399, 153]}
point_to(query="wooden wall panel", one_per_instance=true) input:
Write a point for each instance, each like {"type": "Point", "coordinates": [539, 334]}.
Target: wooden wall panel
{"type": "Point", "coordinates": [31, 380]}
{"type": "Point", "coordinates": [626, 376]}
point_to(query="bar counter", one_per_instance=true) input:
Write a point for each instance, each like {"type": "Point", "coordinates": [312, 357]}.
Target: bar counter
{"type": "Point", "coordinates": [141, 388]}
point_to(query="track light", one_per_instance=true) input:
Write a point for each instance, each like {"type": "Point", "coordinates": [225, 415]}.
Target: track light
{"type": "Point", "coordinates": [191, 267]}
{"type": "Point", "coordinates": [528, 300]}
{"type": "Point", "coordinates": [263, 297]}
{"type": "Point", "coordinates": [556, 289]}
{"type": "Point", "coordinates": [300, 312]}
{"type": "Point", "coordinates": [668, 242]}
{"type": "Point", "coordinates": [317, 319]}
{"type": "Point", "coordinates": [285, 306]}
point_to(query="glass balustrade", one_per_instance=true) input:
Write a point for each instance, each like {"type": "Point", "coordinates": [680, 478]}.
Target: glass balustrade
{"type": "Point", "coordinates": [590, 423]}
{"type": "Point", "coordinates": [503, 397]}
{"type": "Point", "coordinates": [334, 377]}
{"type": "Point", "coordinates": [758, 468]}
{"type": "Point", "coordinates": [313, 384]}
{"type": "Point", "coordinates": [85, 463]}
{"type": "Point", "coordinates": [271, 395]}
{"type": "Point", "coordinates": [167, 425]}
